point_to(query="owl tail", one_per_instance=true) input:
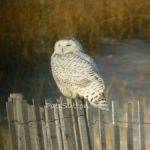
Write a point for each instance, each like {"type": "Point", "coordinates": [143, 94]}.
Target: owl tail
{"type": "Point", "coordinates": [102, 103]}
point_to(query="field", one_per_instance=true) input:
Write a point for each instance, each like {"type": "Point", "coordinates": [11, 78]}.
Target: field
{"type": "Point", "coordinates": [34, 25]}
{"type": "Point", "coordinates": [29, 29]}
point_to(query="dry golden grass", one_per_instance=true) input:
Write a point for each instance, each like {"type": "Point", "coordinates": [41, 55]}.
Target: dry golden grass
{"type": "Point", "coordinates": [4, 139]}
{"type": "Point", "coordinates": [28, 28]}
{"type": "Point", "coordinates": [36, 26]}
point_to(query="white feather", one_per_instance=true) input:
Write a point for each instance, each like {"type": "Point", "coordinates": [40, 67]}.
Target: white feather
{"type": "Point", "coordinates": [76, 73]}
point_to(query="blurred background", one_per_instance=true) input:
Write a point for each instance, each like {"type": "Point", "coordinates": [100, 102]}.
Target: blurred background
{"type": "Point", "coordinates": [115, 33]}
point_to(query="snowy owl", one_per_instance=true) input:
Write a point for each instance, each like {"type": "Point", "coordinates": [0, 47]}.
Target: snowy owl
{"type": "Point", "coordinates": [76, 74]}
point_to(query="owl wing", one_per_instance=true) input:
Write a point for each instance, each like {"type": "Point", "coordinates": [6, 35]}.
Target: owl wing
{"type": "Point", "coordinates": [79, 70]}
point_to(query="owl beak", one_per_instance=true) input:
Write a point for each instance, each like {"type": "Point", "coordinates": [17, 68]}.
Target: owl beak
{"type": "Point", "coordinates": [62, 50]}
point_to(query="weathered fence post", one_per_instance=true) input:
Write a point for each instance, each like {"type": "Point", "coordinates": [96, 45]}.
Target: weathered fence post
{"type": "Point", "coordinates": [102, 130]}
{"type": "Point", "coordinates": [116, 131]}
{"type": "Point", "coordinates": [75, 126]}
{"type": "Point", "coordinates": [24, 122]}
{"type": "Point", "coordinates": [66, 126]}
{"type": "Point", "coordinates": [85, 142]}
{"type": "Point", "coordinates": [20, 122]}
{"type": "Point", "coordinates": [141, 126]}
{"type": "Point", "coordinates": [39, 117]}
{"type": "Point", "coordinates": [49, 130]}
{"type": "Point", "coordinates": [33, 127]}
{"type": "Point", "coordinates": [58, 127]}
{"type": "Point", "coordinates": [129, 127]}
{"type": "Point", "coordinates": [12, 128]}
{"type": "Point", "coordinates": [89, 117]}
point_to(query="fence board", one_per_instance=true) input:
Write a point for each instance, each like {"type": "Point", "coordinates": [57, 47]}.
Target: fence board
{"type": "Point", "coordinates": [48, 127]}
{"type": "Point", "coordinates": [24, 120]}
{"type": "Point", "coordinates": [44, 135]}
{"type": "Point", "coordinates": [58, 127]}
{"type": "Point", "coordinates": [116, 131]}
{"type": "Point", "coordinates": [89, 117]}
{"type": "Point", "coordinates": [51, 123]}
{"type": "Point", "coordinates": [141, 127]}
{"type": "Point", "coordinates": [17, 100]}
{"type": "Point", "coordinates": [85, 142]}
{"type": "Point", "coordinates": [129, 128]}
{"type": "Point", "coordinates": [33, 127]}
{"type": "Point", "coordinates": [12, 129]}
{"type": "Point", "coordinates": [75, 126]}
{"type": "Point", "coordinates": [39, 118]}
{"type": "Point", "coordinates": [102, 130]}
{"type": "Point", "coordinates": [66, 126]}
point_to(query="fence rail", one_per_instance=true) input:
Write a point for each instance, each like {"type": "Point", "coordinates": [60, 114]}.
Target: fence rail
{"type": "Point", "coordinates": [72, 126]}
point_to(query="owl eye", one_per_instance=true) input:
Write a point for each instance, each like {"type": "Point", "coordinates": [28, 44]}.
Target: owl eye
{"type": "Point", "coordinates": [68, 45]}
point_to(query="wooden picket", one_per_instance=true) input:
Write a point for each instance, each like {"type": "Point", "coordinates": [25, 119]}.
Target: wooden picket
{"type": "Point", "coordinates": [65, 126]}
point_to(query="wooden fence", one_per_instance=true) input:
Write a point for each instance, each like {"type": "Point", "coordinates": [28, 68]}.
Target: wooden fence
{"type": "Point", "coordinates": [65, 126]}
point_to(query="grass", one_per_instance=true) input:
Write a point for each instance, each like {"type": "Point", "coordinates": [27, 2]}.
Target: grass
{"type": "Point", "coordinates": [29, 28]}
{"type": "Point", "coordinates": [36, 26]}
{"type": "Point", "coordinates": [4, 142]}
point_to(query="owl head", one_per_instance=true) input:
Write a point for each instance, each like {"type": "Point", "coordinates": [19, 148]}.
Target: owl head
{"type": "Point", "coordinates": [67, 45]}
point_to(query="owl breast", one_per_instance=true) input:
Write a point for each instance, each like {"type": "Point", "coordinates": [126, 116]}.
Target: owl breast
{"type": "Point", "coordinates": [59, 66]}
